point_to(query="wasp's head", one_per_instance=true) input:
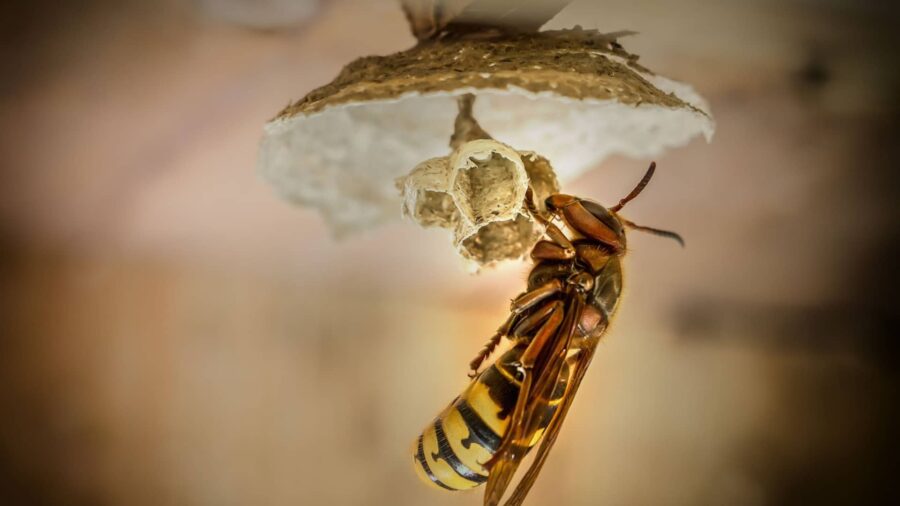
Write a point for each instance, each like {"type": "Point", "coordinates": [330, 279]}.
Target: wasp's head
{"type": "Point", "coordinates": [594, 221]}
{"type": "Point", "coordinates": [590, 219]}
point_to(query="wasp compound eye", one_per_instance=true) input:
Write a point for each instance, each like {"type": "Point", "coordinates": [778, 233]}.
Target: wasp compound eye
{"type": "Point", "coordinates": [603, 214]}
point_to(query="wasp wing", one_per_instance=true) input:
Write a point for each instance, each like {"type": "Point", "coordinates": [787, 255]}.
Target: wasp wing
{"type": "Point", "coordinates": [582, 358]}
{"type": "Point", "coordinates": [533, 401]}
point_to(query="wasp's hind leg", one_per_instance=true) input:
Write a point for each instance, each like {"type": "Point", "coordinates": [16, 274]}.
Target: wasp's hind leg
{"type": "Point", "coordinates": [491, 345]}
{"type": "Point", "coordinates": [534, 320]}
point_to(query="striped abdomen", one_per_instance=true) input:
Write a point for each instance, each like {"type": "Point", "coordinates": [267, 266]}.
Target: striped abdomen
{"type": "Point", "coordinates": [451, 451]}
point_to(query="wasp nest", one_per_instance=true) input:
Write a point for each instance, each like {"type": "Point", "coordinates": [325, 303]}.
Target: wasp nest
{"type": "Point", "coordinates": [478, 192]}
{"type": "Point", "coordinates": [574, 96]}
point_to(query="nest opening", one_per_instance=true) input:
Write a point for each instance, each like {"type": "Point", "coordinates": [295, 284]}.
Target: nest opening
{"type": "Point", "coordinates": [476, 186]}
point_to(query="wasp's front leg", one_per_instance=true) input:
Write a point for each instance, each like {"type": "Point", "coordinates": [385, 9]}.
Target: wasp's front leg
{"type": "Point", "coordinates": [559, 247]}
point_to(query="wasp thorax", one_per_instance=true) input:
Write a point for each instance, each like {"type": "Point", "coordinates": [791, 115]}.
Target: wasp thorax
{"type": "Point", "coordinates": [478, 192]}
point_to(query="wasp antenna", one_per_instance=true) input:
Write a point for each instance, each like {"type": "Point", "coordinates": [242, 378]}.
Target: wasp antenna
{"type": "Point", "coordinates": [637, 189]}
{"type": "Point", "coordinates": [654, 231]}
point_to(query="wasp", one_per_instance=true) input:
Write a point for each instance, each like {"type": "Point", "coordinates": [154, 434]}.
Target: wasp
{"type": "Point", "coordinates": [522, 398]}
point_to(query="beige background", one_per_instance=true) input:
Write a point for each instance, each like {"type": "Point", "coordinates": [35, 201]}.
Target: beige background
{"type": "Point", "coordinates": [173, 334]}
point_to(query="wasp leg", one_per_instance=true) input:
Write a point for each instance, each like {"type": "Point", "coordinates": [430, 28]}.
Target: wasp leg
{"type": "Point", "coordinates": [558, 239]}
{"type": "Point", "coordinates": [519, 305]}
{"type": "Point", "coordinates": [491, 345]}
{"type": "Point", "coordinates": [537, 317]}
{"type": "Point", "coordinates": [548, 250]}
{"type": "Point", "coordinates": [523, 327]}
{"type": "Point", "coordinates": [564, 250]}
{"type": "Point", "coordinates": [530, 299]}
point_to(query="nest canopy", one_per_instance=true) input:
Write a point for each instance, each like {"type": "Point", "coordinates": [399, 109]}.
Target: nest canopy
{"type": "Point", "coordinates": [575, 96]}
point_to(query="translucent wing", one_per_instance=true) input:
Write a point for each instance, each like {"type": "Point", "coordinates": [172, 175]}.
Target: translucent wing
{"type": "Point", "coordinates": [581, 360]}
{"type": "Point", "coordinates": [533, 401]}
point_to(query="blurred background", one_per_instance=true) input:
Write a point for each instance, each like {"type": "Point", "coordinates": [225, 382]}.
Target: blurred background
{"type": "Point", "coordinates": [171, 333]}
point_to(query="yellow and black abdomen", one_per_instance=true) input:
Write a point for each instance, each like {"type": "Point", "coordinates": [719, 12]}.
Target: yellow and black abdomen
{"type": "Point", "coordinates": [452, 450]}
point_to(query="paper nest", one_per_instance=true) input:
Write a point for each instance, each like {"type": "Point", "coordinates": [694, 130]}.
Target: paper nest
{"type": "Point", "coordinates": [478, 193]}
{"type": "Point", "coordinates": [575, 96]}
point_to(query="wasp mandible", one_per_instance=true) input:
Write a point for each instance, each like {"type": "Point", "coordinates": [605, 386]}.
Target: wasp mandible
{"type": "Point", "coordinates": [523, 396]}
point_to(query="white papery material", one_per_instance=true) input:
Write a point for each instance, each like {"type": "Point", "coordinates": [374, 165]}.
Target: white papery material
{"type": "Point", "coordinates": [480, 187]}
{"type": "Point", "coordinates": [344, 160]}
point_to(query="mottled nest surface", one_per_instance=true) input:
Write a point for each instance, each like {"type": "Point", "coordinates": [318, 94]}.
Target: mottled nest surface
{"type": "Point", "coordinates": [574, 63]}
